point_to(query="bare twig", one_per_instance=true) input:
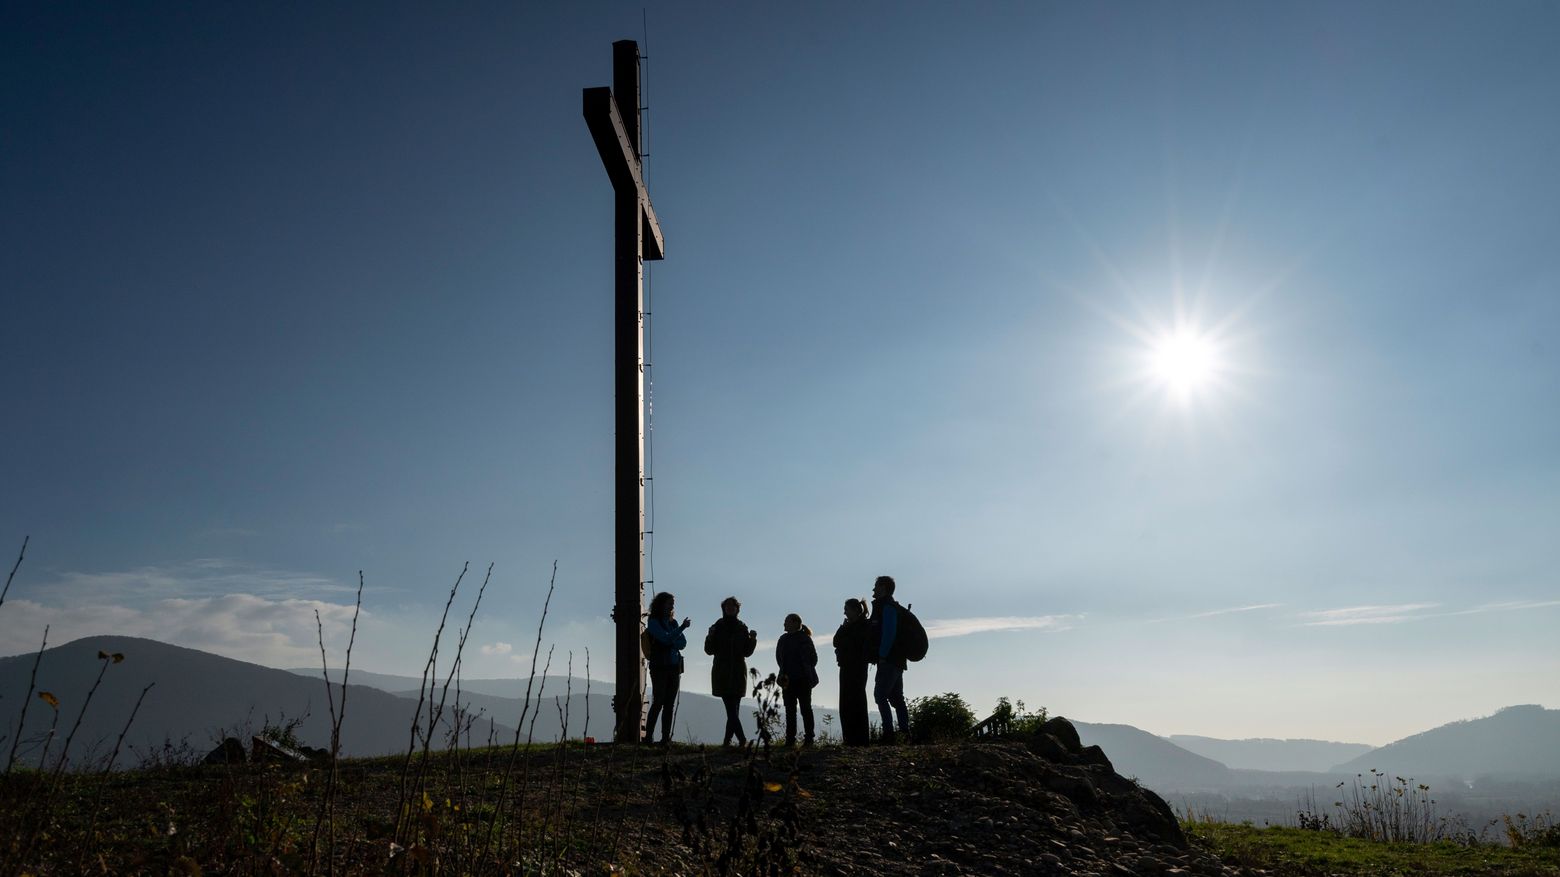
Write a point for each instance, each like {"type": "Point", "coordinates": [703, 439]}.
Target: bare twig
{"type": "Point", "coordinates": [436, 715]}
{"type": "Point", "coordinates": [45, 804]}
{"type": "Point", "coordinates": [514, 749]}
{"type": "Point", "coordinates": [14, 568]}
{"type": "Point", "coordinates": [32, 684]}
{"type": "Point", "coordinates": [327, 813]}
{"type": "Point", "coordinates": [530, 738]}
{"type": "Point", "coordinates": [403, 814]}
{"type": "Point", "coordinates": [107, 659]}
{"type": "Point", "coordinates": [97, 801]}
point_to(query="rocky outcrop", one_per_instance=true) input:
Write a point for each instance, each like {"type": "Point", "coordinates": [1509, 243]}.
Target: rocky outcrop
{"type": "Point", "coordinates": [1094, 784]}
{"type": "Point", "coordinates": [229, 751]}
{"type": "Point", "coordinates": [1036, 804]}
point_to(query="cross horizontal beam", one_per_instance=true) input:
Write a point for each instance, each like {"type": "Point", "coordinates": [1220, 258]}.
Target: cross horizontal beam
{"type": "Point", "coordinates": [622, 161]}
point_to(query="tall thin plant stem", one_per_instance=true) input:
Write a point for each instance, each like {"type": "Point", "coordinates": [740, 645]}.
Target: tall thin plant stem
{"type": "Point", "coordinates": [327, 812]}
{"type": "Point", "coordinates": [97, 801]}
{"type": "Point", "coordinates": [514, 749]}
{"type": "Point", "coordinates": [45, 804]}
{"type": "Point", "coordinates": [14, 567]}
{"type": "Point", "coordinates": [436, 715]}
{"type": "Point", "coordinates": [403, 814]}
{"type": "Point", "coordinates": [32, 685]}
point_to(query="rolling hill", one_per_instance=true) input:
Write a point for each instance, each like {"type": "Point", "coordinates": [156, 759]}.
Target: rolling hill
{"type": "Point", "coordinates": [501, 687]}
{"type": "Point", "coordinates": [1515, 742]}
{"type": "Point", "coordinates": [1270, 754]}
{"type": "Point", "coordinates": [1153, 760]}
{"type": "Point", "coordinates": [196, 697]}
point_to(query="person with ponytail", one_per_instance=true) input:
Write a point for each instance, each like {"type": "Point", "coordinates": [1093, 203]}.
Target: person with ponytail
{"type": "Point", "coordinates": [798, 661]}
{"type": "Point", "coordinates": [853, 649]}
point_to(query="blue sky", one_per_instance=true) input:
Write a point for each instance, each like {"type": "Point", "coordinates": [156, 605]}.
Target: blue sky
{"type": "Point", "coordinates": [293, 292]}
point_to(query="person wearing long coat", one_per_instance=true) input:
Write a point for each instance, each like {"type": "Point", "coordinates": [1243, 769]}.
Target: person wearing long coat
{"type": "Point", "coordinates": [853, 647]}
{"type": "Point", "coordinates": [731, 643]}
{"type": "Point", "coordinates": [798, 660]}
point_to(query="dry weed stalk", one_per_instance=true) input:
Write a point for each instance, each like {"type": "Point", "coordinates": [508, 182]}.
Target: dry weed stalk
{"type": "Point", "coordinates": [32, 685]}
{"type": "Point", "coordinates": [102, 782]}
{"type": "Point", "coordinates": [327, 813]}
{"type": "Point", "coordinates": [514, 749]}
{"type": "Point", "coordinates": [14, 567]}
{"type": "Point", "coordinates": [403, 809]}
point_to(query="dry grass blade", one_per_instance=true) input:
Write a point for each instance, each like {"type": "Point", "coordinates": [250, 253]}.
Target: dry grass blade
{"type": "Point", "coordinates": [327, 813]}
{"type": "Point", "coordinates": [423, 692]}
{"type": "Point", "coordinates": [14, 567]}
{"type": "Point", "coordinates": [32, 685]}
{"type": "Point", "coordinates": [514, 750]}
{"type": "Point", "coordinates": [97, 801]}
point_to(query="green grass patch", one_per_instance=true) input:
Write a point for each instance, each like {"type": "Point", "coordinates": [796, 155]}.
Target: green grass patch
{"type": "Point", "coordinates": [1295, 851]}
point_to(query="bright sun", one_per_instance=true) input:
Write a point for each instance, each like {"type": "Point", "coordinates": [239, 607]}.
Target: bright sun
{"type": "Point", "coordinates": [1184, 361]}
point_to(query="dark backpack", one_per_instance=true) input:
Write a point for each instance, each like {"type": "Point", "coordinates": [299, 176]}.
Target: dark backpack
{"type": "Point", "coordinates": [911, 635]}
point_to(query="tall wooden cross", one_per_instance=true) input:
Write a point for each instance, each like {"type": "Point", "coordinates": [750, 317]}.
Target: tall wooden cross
{"type": "Point", "coordinates": [613, 117]}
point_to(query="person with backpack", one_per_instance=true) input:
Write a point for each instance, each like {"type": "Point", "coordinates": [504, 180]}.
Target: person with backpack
{"type": "Point", "coordinates": [731, 643]}
{"type": "Point", "coordinates": [899, 638]}
{"type": "Point", "coordinates": [666, 642]}
{"type": "Point", "coordinates": [798, 661]}
{"type": "Point", "coordinates": [853, 648]}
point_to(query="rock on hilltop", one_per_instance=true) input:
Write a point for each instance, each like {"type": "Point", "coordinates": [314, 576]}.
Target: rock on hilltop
{"type": "Point", "coordinates": [1040, 804]}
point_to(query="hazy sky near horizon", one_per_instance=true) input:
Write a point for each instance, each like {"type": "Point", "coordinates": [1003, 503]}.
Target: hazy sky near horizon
{"type": "Point", "coordinates": [294, 291]}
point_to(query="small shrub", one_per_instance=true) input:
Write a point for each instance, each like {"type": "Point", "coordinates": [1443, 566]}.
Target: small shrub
{"type": "Point", "coordinates": [767, 716]}
{"type": "Point", "coordinates": [1010, 717]}
{"type": "Point", "coordinates": [1541, 830]}
{"type": "Point", "coordinates": [1382, 808]}
{"type": "Point", "coordinates": [284, 731]}
{"type": "Point", "coordinates": [940, 717]}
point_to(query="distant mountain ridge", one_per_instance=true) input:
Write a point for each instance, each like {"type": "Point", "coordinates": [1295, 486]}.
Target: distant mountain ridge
{"type": "Point", "coordinates": [1517, 741]}
{"type": "Point", "coordinates": [196, 697]}
{"type": "Point", "coordinates": [1153, 760]}
{"type": "Point", "coordinates": [496, 687]}
{"type": "Point", "coordinates": [1262, 753]}
{"type": "Point", "coordinates": [701, 718]}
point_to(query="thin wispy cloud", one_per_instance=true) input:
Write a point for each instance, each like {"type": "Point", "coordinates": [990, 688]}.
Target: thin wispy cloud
{"type": "Point", "coordinates": [1405, 612]}
{"type": "Point", "coordinates": [1381, 614]}
{"type": "Point", "coordinates": [946, 627]}
{"type": "Point", "coordinates": [1233, 610]}
{"type": "Point", "coordinates": [497, 648]}
{"type": "Point", "coordinates": [201, 577]}
{"type": "Point", "coordinates": [1509, 606]}
{"type": "Point", "coordinates": [942, 628]}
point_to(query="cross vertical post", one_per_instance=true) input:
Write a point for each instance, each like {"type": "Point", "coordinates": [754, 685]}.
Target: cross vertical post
{"type": "Point", "coordinates": [613, 117]}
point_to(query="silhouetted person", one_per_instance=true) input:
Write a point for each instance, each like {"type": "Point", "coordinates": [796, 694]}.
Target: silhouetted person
{"type": "Point", "coordinates": [798, 661]}
{"type": "Point", "coordinates": [889, 688]}
{"type": "Point", "coordinates": [666, 663]}
{"type": "Point", "coordinates": [731, 643]}
{"type": "Point", "coordinates": [853, 649]}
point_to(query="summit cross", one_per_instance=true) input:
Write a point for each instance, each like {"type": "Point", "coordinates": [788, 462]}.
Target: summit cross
{"type": "Point", "coordinates": [613, 117]}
